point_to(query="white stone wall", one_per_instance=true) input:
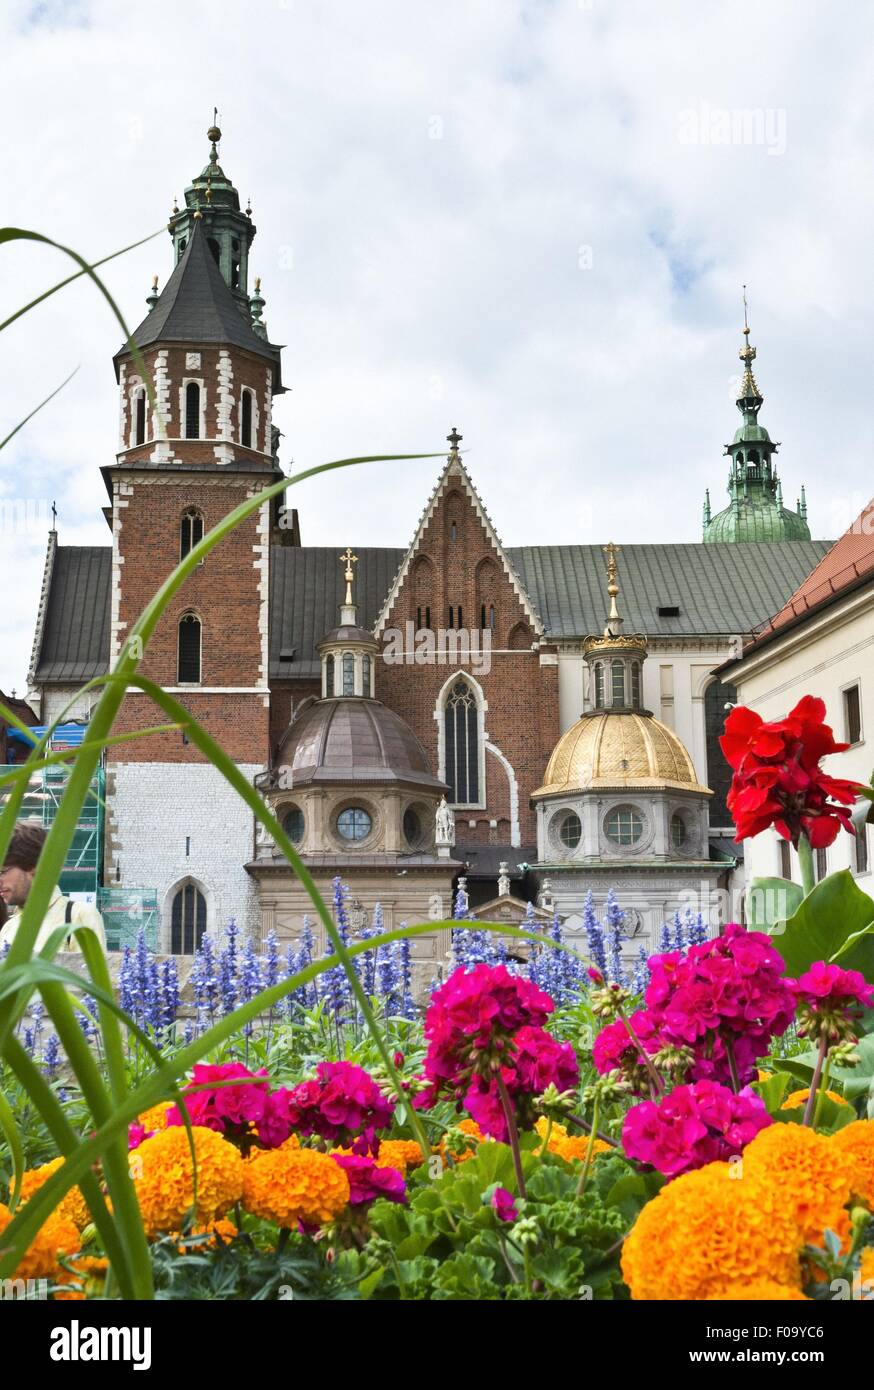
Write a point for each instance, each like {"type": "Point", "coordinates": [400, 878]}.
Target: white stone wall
{"type": "Point", "coordinates": [56, 698]}
{"type": "Point", "coordinates": [156, 807]}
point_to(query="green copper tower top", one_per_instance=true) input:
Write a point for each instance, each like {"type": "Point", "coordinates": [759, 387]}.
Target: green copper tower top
{"type": "Point", "coordinates": [213, 200]}
{"type": "Point", "coordinates": [755, 511]}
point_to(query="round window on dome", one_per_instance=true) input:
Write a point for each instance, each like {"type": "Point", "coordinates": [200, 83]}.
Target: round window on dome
{"type": "Point", "coordinates": [412, 826]}
{"type": "Point", "coordinates": [354, 823]}
{"type": "Point", "coordinates": [624, 826]}
{"type": "Point", "coordinates": [569, 829]}
{"type": "Point", "coordinates": [679, 833]}
{"type": "Point", "coordinates": [292, 824]}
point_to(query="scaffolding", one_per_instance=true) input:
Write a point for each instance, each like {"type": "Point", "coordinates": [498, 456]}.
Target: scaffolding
{"type": "Point", "coordinates": [126, 912]}
{"type": "Point", "coordinates": [83, 865]}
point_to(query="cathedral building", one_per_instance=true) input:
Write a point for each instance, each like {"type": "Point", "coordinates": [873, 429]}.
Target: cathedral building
{"type": "Point", "coordinates": [415, 715]}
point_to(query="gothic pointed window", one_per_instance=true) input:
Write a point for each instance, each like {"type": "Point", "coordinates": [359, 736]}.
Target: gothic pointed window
{"type": "Point", "coordinates": [461, 727]}
{"type": "Point", "coordinates": [140, 417]}
{"type": "Point", "coordinates": [246, 420]}
{"type": "Point", "coordinates": [187, 920]}
{"type": "Point", "coordinates": [348, 673]}
{"type": "Point", "coordinates": [188, 666]}
{"type": "Point", "coordinates": [190, 532]}
{"type": "Point", "coordinates": [192, 410]}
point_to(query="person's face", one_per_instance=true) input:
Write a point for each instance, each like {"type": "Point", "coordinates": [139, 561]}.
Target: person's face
{"type": "Point", "coordinates": [15, 886]}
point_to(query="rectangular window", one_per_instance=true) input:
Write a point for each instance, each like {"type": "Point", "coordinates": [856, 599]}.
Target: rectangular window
{"type": "Point", "coordinates": [618, 683]}
{"type": "Point", "coordinates": [860, 850]}
{"type": "Point", "coordinates": [785, 859]}
{"type": "Point", "coordinates": [852, 715]}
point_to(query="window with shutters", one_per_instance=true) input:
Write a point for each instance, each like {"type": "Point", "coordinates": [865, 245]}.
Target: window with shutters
{"type": "Point", "coordinates": [189, 650]}
{"type": "Point", "coordinates": [187, 920]}
{"type": "Point", "coordinates": [462, 744]}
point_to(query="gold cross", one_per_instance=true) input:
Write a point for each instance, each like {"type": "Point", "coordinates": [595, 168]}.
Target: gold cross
{"type": "Point", "coordinates": [348, 559]}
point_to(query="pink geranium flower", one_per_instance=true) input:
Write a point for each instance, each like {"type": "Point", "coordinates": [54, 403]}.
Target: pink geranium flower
{"type": "Point", "coordinates": [692, 1126]}
{"type": "Point", "coordinates": [342, 1104]}
{"type": "Point", "coordinates": [367, 1181]}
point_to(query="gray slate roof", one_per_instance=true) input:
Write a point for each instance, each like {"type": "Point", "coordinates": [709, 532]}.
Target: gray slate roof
{"type": "Point", "coordinates": [196, 306]}
{"type": "Point", "coordinates": [75, 644]}
{"type": "Point", "coordinates": [719, 589]}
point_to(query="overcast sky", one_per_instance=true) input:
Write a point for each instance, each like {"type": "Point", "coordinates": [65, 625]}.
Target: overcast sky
{"type": "Point", "coordinates": [531, 220]}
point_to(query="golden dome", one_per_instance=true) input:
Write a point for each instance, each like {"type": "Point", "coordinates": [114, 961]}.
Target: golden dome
{"type": "Point", "coordinates": [605, 750]}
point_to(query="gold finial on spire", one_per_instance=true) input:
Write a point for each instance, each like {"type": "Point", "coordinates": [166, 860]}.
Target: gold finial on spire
{"type": "Point", "coordinates": [614, 621]}
{"type": "Point", "coordinates": [214, 134]}
{"type": "Point", "coordinates": [348, 559]}
{"type": "Point", "coordinates": [747, 353]}
{"type": "Point", "coordinates": [257, 284]}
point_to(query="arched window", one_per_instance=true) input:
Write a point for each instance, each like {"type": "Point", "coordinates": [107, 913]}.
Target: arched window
{"type": "Point", "coordinates": [599, 685]}
{"type": "Point", "coordinates": [190, 532]}
{"type": "Point", "coordinates": [188, 668]}
{"type": "Point", "coordinates": [235, 265]}
{"type": "Point", "coordinates": [491, 617]}
{"type": "Point", "coordinates": [187, 920]}
{"type": "Point", "coordinates": [366, 666]}
{"type": "Point", "coordinates": [618, 682]}
{"type": "Point", "coordinates": [246, 420]}
{"type": "Point", "coordinates": [182, 246]}
{"type": "Point", "coordinates": [451, 616]}
{"type": "Point", "coordinates": [329, 676]}
{"type": "Point", "coordinates": [348, 673]}
{"type": "Point", "coordinates": [192, 410]}
{"type": "Point", "coordinates": [461, 724]}
{"type": "Point", "coordinates": [140, 416]}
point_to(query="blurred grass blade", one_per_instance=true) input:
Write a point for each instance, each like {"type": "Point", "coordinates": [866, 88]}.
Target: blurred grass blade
{"type": "Point", "coordinates": [37, 408]}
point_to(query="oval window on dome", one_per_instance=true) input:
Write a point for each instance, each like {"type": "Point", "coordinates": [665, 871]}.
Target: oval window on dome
{"type": "Point", "coordinates": [678, 831]}
{"type": "Point", "coordinates": [354, 823]}
{"type": "Point", "coordinates": [624, 826]}
{"type": "Point", "coordinates": [292, 824]}
{"type": "Point", "coordinates": [569, 829]}
{"type": "Point", "coordinates": [412, 826]}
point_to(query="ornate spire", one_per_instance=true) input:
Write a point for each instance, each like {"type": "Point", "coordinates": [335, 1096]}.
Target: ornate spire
{"type": "Point", "coordinates": [750, 397]}
{"type": "Point", "coordinates": [153, 296]}
{"type": "Point", "coordinates": [614, 621]}
{"type": "Point", "coordinates": [454, 439]}
{"type": "Point", "coordinates": [348, 610]}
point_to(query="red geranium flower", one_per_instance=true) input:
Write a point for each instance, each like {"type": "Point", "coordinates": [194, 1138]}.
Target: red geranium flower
{"type": "Point", "coordinates": [777, 777]}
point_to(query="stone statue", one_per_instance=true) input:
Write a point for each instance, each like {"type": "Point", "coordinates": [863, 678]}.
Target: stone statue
{"type": "Point", "coordinates": [503, 879]}
{"type": "Point", "coordinates": [545, 898]}
{"type": "Point", "coordinates": [445, 821]}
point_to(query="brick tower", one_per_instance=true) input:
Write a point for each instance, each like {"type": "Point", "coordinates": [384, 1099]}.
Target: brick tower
{"type": "Point", "coordinates": [176, 825]}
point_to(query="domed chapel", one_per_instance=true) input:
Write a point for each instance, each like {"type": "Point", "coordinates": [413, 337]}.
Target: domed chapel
{"type": "Point", "coordinates": [417, 714]}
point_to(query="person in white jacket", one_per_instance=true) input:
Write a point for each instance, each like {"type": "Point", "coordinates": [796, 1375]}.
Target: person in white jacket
{"type": "Point", "coordinates": [16, 880]}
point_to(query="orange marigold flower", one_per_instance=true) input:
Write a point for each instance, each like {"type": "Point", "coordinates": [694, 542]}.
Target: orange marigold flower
{"type": "Point", "coordinates": [87, 1277]}
{"type": "Point", "coordinates": [58, 1236]}
{"type": "Point", "coordinates": [223, 1229]}
{"type": "Point", "coordinates": [155, 1118]}
{"type": "Point", "coordinates": [399, 1153]}
{"type": "Point", "coordinates": [856, 1142]}
{"type": "Point", "coordinates": [758, 1291]}
{"type": "Point", "coordinates": [866, 1266]}
{"type": "Point", "coordinates": [707, 1229]}
{"type": "Point", "coordinates": [466, 1126]}
{"type": "Point", "coordinates": [799, 1098]}
{"type": "Point", "coordinates": [163, 1176]}
{"type": "Point", "coordinates": [72, 1204]}
{"type": "Point", "coordinates": [811, 1175]}
{"type": "Point", "coordinates": [288, 1185]}
{"type": "Point", "coordinates": [570, 1147]}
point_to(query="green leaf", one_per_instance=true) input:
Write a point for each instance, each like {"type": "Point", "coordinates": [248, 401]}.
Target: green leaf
{"type": "Point", "coordinates": [774, 1090]}
{"type": "Point", "coordinates": [834, 911]}
{"type": "Point", "coordinates": [770, 901]}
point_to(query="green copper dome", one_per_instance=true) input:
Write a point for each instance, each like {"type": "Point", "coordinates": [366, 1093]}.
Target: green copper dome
{"type": "Point", "coordinates": [755, 511]}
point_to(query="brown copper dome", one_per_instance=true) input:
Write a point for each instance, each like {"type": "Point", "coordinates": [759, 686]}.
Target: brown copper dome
{"type": "Point", "coordinates": [355, 740]}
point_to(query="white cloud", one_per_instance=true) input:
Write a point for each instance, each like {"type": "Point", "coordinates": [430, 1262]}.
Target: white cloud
{"type": "Point", "coordinates": [558, 273]}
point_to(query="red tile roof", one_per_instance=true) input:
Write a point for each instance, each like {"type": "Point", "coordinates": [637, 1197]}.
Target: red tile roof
{"type": "Point", "coordinates": [850, 560]}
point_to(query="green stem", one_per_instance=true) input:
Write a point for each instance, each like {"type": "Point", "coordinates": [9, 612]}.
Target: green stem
{"type": "Point", "coordinates": [814, 1085]}
{"type": "Point", "coordinates": [513, 1133]}
{"type": "Point", "coordinates": [644, 1056]}
{"type": "Point", "coordinates": [545, 1145]}
{"type": "Point", "coordinates": [805, 861]}
{"type": "Point", "coordinates": [826, 1074]}
{"type": "Point", "coordinates": [587, 1163]}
